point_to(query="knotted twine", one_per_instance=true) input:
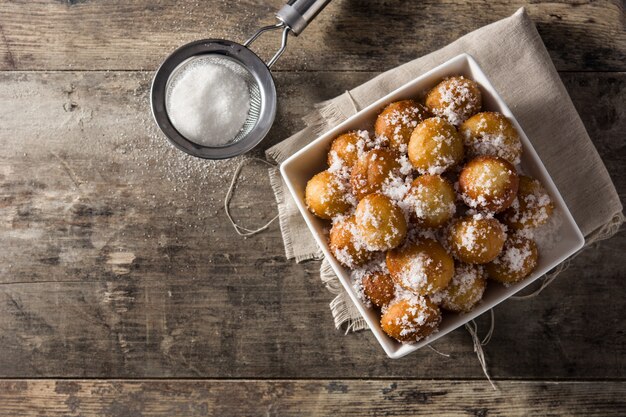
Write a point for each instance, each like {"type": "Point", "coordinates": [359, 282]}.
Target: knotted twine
{"type": "Point", "coordinates": [241, 230]}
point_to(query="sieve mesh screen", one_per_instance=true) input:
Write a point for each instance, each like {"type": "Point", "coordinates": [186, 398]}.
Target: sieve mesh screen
{"type": "Point", "coordinates": [230, 64]}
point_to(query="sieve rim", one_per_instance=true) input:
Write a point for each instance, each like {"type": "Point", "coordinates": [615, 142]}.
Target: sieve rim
{"type": "Point", "coordinates": [241, 55]}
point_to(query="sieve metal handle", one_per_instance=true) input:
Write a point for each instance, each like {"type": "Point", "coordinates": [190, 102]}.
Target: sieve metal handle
{"type": "Point", "coordinates": [294, 17]}
{"type": "Point", "coordinates": [283, 43]}
{"type": "Point", "coordinates": [297, 14]}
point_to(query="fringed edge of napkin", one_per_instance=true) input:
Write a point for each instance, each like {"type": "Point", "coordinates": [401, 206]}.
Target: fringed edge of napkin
{"type": "Point", "coordinates": [342, 308]}
{"type": "Point", "coordinates": [277, 185]}
{"type": "Point", "coordinates": [606, 231]}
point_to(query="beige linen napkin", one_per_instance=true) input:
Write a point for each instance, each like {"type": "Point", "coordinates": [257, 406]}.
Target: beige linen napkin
{"type": "Point", "coordinates": [514, 58]}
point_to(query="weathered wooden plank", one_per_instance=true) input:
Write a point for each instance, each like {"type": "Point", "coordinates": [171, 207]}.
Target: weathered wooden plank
{"type": "Point", "coordinates": [597, 98]}
{"type": "Point", "coordinates": [276, 323]}
{"type": "Point", "coordinates": [349, 35]}
{"type": "Point", "coordinates": [22, 398]}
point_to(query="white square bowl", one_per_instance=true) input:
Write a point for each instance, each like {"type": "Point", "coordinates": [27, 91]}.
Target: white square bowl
{"type": "Point", "coordinates": [310, 160]}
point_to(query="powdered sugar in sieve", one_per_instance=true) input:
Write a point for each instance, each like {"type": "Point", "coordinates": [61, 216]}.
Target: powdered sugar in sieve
{"type": "Point", "coordinates": [212, 100]}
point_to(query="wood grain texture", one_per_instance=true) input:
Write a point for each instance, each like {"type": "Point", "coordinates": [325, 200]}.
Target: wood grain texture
{"type": "Point", "coordinates": [350, 35]}
{"type": "Point", "coordinates": [117, 259]}
{"type": "Point", "coordinates": [24, 398]}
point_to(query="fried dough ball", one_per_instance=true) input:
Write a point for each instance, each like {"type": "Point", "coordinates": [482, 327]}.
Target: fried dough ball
{"type": "Point", "coordinates": [410, 319]}
{"type": "Point", "coordinates": [465, 290]}
{"type": "Point", "coordinates": [516, 261]}
{"type": "Point", "coordinates": [532, 207]}
{"type": "Point", "coordinates": [345, 149]}
{"type": "Point", "coordinates": [371, 170]}
{"type": "Point", "coordinates": [455, 99]}
{"type": "Point", "coordinates": [381, 223]}
{"type": "Point", "coordinates": [422, 268]}
{"type": "Point", "coordinates": [378, 287]}
{"type": "Point", "coordinates": [490, 133]}
{"type": "Point", "coordinates": [346, 245]}
{"type": "Point", "coordinates": [397, 121]}
{"type": "Point", "coordinates": [431, 200]}
{"type": "Point", "coordinates": [488, 183]}
{"type": "Point", "coordinates": [476, 239]}
{"type": "Point", "coordinates": [326, 195]}
{"type": "Point", "coordinates": [435, 146]}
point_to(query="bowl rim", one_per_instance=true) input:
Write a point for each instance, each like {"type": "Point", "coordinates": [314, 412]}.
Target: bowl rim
{"type": "Point", "coordinates": [382, 338]}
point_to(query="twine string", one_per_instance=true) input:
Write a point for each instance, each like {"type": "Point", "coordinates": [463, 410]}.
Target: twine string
{"type": "Point", "coordinates": [241, 230]}
{"type": "Point", "coordinates": [355, 106]}
{"type": "Point", "coordinates": [492, 326]}
{"type": "Point", "coordinates": [472, 329]}
{"type": "Point", "coordinates": [438, 352]}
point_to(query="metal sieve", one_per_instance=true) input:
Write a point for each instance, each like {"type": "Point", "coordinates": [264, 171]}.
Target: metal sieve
{"type": "Point", "coordinates": [293, 18]}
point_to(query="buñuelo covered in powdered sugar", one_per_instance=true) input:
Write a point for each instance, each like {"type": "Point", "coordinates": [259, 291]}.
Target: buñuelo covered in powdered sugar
{"type": "Point", "coordinates": [429, 204]}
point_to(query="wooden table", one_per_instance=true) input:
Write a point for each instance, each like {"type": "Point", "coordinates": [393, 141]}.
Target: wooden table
{"type": "Point", "coordinates": [125, 291]}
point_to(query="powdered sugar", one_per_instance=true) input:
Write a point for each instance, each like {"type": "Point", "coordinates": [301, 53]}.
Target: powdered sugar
{"type": "Point", "coordinates": [377, 265]}
{"type": "Point", "coordinates": [397, 121]}
{"type": "Point", "coordinates": [396, 187]}
{"type": "Point", "coordinates": [546, 235]}
{"type": "Point", "coordinates": [497, 145]}
{"type": "Point", "coordinates": [456, 102]}
{"type": "Point", "coordinates": [208, 102]}
{"type": "Point", "coordinates": [420, 318]}
{"type": "Point", "coordinates": [414, 274]}
{"type": "Point", "coordinates": [469, 236]}
{"type": "Point", "coordinates": [406, 168]}
{"type": "Point", "coordinates": [514, 257]}
{"type": "Point", "coordinates": [493, 135]}
{"type": "Point", "coordinates": [473, 232]}
{"type": "Point", "coordinates": [357, 276]}
{"type": "Point", "coordinates": [425, 202]}
{"type": "Point", "coordinates": [464, 291]}
{"type": "Point", "coordinates": [531, 209]}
